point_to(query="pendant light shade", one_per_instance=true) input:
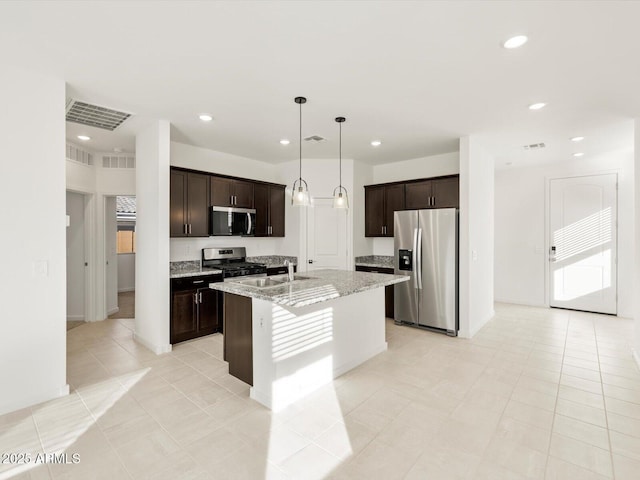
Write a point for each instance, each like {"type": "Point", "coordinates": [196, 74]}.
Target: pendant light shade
{"type": "Point", "coordinates": [300, 190]}
{"type": "Point", "coordinates": [340, 196]}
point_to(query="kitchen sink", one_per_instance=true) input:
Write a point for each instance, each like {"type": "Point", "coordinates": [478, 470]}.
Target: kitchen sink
{"type": "Point", "coordinates": [265, 282]}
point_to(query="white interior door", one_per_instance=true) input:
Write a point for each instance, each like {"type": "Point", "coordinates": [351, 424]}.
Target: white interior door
{"type": "Point", "coordinates": [583, 243]}
{"type": "Point", "coordinates": [111, 254]}
{"type": "Point", "coordinates": [76, 257]}
{"type": "Point", "coordinates": [326, 236]}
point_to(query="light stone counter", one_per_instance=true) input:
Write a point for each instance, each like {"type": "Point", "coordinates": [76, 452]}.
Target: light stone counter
{"type": "Point", "coordinates": [322, 285]}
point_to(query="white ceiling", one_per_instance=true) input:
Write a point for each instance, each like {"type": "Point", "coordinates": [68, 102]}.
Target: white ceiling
{"type": "Point", "coordinates": [416, 75]}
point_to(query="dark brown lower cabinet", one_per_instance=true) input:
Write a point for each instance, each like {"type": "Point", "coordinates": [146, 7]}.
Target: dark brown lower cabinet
{"type": "Point", "coordinates": [238, 336]}
{"type": "Point", "coordinates": [388, 290]}
{"type": "Point", "coordinates": [194, 308]}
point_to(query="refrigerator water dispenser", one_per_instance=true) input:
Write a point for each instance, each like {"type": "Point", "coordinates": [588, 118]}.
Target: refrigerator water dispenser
{"type": "Point", "coordinates": [405, 260]}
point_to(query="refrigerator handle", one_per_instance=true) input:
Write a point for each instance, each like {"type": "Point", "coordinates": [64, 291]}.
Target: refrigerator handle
{"type": "Point", "coordinates": [419, 261]}
{"type": "Point", "coordinates": [415, 258]}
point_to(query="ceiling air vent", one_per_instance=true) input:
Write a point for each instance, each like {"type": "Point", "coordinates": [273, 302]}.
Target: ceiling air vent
{"type": "Point", "coordinates": [534, 146]}
{"type": "Point", "coordinates": [315, 139]}
{"type": "Point", "coordinates": [94, 115]}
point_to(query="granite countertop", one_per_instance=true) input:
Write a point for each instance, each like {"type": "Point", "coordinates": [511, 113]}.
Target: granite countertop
{"type": "Point", "coordinates": [189, 269]}
{"type": "Point", "coordinates": [379, 261]}
{"type": "Point", "coordinates": [323, 285]}
{"type": "Point", "coordinates": [273, 261]}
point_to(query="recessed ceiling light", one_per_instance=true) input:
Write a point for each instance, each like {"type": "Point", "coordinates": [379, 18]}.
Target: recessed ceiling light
{"type": "Point", "coordinates": [537, 106]}
{"type": "Point", "coordinates": [284, 141]}
{"type": "Point", "coordinates": [205, 117]}
{"type": "Point", "coordinates": [578, 154]}
{"type": "Point", "coordinates": [515, 42]}
{"type": "Point", "coordinates": [577, 139]}
{"type": "Point", "coordinates": [376, 143]}
{"type": "Point", "coordinates": [84, 138]}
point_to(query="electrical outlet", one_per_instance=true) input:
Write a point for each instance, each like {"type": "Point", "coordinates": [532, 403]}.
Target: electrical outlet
{"type": "Point", "coordinates": [40, 268]}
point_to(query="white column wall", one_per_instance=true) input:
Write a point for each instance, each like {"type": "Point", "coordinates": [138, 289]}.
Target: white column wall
{"type": "Point", "coordinates": [476, 236]}
{"type": "Point", "coordinates": [636, 305]}
{"type": "Point", "coordinates": [33, 278]}
{"type": "Point", "coordinates": [152, 235]}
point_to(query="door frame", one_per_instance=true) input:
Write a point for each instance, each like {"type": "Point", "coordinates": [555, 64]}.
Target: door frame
{"type": "Point", "coordinates": [547, 227]}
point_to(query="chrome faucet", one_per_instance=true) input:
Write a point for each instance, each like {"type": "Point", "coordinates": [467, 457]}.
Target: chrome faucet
{"type": "Point", "coordinates": [289, 266]}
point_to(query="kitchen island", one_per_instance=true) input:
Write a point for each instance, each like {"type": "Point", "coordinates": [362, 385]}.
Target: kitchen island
{"type": "Point", "coordinates": [288, 338]}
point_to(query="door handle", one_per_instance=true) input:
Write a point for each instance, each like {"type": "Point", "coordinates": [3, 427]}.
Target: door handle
{"type": "Point", "coordinates": [552, 254]}
{"type": "Point", "coordinates": [310, 261]}
{"type": "Point", "coordinates": [419, 261]}
{"type": "Point", "coordinates": [249, 224]}
{"type": "Point", "coordinates": [414, 258]}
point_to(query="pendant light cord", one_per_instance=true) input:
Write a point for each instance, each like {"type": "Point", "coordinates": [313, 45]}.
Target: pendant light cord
{"type": "Point", "coordinates": [340, 155]}
{"type": "Point", "coordinates": [300, 141]}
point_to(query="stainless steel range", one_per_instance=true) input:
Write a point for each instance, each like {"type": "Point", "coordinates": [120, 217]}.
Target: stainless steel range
{"type": "Point", "coordinates": [232, 262]}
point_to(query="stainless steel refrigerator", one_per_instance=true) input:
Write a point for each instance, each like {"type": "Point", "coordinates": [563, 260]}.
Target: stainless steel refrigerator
{"type": "Point", "coordinates": [426, 249]}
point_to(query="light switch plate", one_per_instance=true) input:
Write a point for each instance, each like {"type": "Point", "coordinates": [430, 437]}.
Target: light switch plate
{"type": "Point", "coordinates": [474, 255]}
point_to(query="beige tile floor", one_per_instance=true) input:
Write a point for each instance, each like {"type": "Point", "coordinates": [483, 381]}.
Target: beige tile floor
{"type": "Point", "coordinates": [537, 393]}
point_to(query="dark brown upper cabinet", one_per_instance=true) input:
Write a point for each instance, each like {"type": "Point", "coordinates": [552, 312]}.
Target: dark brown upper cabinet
{"type": "Point", "coordinates": [227, 192]}
{"type": "Point", "coordinates": [379, 204]}
{"type": "Point", "coordinates": [188, 204]}
{"type": "Point", "coordinates": [433, 193]}
{"type": "Point", "coordinates": [269, 205]}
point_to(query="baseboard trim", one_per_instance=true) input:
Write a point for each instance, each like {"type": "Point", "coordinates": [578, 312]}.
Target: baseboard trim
{"type": "Point", "coordinates": [636, 357]}
{"type": "Point", "coordinates": [61, 391]}
{"type": "Point", "coordinates": [157, 349]}
{"type": "Point", "coordinates": [123, 290]}
{"type": "Point", "coordinates": [75, 318]}
{"type": "Point", "coordinates": [112, 311]}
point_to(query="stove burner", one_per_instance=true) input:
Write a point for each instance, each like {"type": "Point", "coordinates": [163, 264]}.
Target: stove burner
{"type": "Point", "coordinates": [231, 261]}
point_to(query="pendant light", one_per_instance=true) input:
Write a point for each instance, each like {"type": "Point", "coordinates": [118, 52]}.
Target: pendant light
{"type": "Point", "coordinates": [300, 190]}
{"type": "Point", "coordinates": [340, 197]}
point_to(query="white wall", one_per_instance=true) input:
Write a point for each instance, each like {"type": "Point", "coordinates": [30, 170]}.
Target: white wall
{"type": "Point", "coordinates": [476, 236]}
{"type": "Point", "coordinates": [152, 237]}
{"type": "Point", "coordinates": [424, 167]}
{"type": "Point", "coordinates": [188, 156]}
{"type": "Point", "coordinates": [362, 175]}
{"type": "Point", "coordinates": [75, 257]}
{"type": "Point", "coordinates": [33, 340]}
{"type": "Point", "coordinates": [521, 206]}
{"type": "Point", "coordinates": [636, 262]}
{"type": "Point", "coordinates": [126, 272]}
{"type": "Point", "coordinates": [111, 253]}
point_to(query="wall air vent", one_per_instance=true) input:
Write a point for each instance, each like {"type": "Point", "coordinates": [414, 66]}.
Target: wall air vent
{"type": "Point", "coordinates": [94, 115]}
{"type": "Point", "coordinates": [315, 139]}
{"type": "Point", "coordinates": [118, 161]}
{"type": "Point", "coordinates": [534, 146]}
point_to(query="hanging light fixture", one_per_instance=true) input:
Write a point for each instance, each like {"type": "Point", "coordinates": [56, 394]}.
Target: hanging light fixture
{"type": "Point", "coordinates": [340, 197]}
{"type": "Point", "coordinates": [300, 190]}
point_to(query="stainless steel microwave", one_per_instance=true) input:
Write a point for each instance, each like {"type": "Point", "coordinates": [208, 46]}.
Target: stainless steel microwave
{"type": "Point", "coordinates": [232, 221]}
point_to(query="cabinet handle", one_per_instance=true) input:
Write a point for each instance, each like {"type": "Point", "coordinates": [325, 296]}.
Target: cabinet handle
{"type": "Point", "coordinates": [198, 281]}
{"type": "Point", "coordinates": [189, 229]}
{"type": "Point", "coordinates": [235, 200]}
{"type": "Point", "coordinates": [200, 297]}
{"type": "Point", "coordinates": [195, 298]}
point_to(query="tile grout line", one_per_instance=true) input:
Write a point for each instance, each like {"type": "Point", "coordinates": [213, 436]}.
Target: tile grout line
{"type": "Point", "coordinates": [604, 402]}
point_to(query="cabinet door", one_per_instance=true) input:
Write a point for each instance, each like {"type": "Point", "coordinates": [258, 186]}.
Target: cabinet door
{"type": "Point", "coordinates": [276, 210]}
{"type": "Point", "coordinates": [238, 336]}
{"type": "Point", "coordinates": [243, 193]}
{"type": "Point", "coordinates": [198, 204]}
{"type": "Point", "coordinates": [417, 195]}
{"type": "Point", "coordinates": [374, 211]}
{"type": "Point", "coordinates": [207, 311]}
{"type": "Point", "coordinates": [221, 191]}
{"type": "Point", "coordinates": [446, 192]}
{"type": "Point", "coordinates": [184, 315]}
{"type": "Point", "coordinates": [261, 199]}
{"type": "Point", "coordinates": [394, 201]}
{"type": "Point", "coordinates": [178, 204]}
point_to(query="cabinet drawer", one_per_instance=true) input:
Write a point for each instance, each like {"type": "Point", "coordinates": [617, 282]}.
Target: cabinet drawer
{"type": "Point", "coordinates": [195, 282]}
{"type": "Point", "coordinates": [360, 268]}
